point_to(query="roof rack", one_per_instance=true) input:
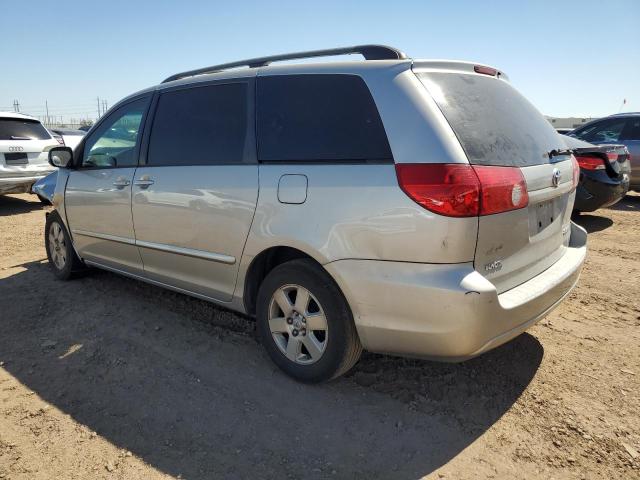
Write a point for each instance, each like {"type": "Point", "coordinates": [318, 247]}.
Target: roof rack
{"type": "Point", "coordinates": [369, 52]}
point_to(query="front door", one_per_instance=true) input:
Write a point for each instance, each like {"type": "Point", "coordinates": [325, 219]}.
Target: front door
{"type": "Point", "coordinates": [98, 192]}
{"type": "Point", "coordinates": [194, 198]}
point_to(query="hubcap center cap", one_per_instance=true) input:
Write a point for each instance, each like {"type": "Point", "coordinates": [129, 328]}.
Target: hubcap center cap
{"type": "Point", "coordinates": [298, 321]}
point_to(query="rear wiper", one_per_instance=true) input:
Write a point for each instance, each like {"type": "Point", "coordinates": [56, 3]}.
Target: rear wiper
{"type": "Point", "coordinates": [556, 152]}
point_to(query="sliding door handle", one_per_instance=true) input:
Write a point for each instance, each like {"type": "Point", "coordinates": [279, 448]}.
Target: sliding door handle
{"type": "Point", "coordinates": [143, 182]}
{"type": "Point", "coordinates": [121, 182]}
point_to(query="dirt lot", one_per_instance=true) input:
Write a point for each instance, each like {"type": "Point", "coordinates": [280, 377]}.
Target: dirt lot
{"type": "Point", "coordinates": [106, 377]}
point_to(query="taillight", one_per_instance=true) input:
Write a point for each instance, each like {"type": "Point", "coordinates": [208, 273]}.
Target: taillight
{"type": "Point", "coordinates": [590, 163]}
{"type": "Point", "coordinates": [447, 189]}
{"type": "Point", "coordinates": [612, 156]}
{"type": "Point", "coordinates": [462, 190]}
{"type": "Point", "coordinates": [576, 171]}
{"type": "Point", "coordinates": [502, 189]}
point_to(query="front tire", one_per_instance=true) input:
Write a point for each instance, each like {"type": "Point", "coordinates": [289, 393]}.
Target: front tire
{"type": "Point", "coordinates": [60, 253]}
{"type": "Point", "coordinates": [305, 323]}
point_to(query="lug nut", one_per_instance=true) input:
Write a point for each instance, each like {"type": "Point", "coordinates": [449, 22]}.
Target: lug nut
{"type": "Point", "coordinates": [289, 320]}
{"type": "Point", "coordinates": [295, 332]}
{"type": "Point", "coordinates": [303, 332]}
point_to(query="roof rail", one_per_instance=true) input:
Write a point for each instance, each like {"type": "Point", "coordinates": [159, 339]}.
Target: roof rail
{"type": "Point", "coordinates": [369, 52]}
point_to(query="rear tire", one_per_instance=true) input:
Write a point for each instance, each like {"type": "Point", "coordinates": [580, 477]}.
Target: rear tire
{"type": "Point", "coordinates": [62, 257]}
{"type": "Point", "coordinates": [305, 323]}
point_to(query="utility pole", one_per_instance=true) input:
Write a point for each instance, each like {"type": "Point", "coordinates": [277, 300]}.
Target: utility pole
{"type": "Point", "coordinates": [46, 106]}
{"type": "Point", "coordinates": [16, 106]}
{"type": "Point", "coordinates": [98, 107]}
{"type": "Point", "coordinates": [104, 107]}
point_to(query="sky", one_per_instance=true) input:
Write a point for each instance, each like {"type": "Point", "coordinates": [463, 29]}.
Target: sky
{"type": "Point", "coordinates": [570, 58]}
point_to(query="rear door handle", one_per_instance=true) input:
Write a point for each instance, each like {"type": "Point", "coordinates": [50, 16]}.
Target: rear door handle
{"type": "Point", "coordinates": [121, 182]}
{"type": "Point", "coordinates": [144, 182]}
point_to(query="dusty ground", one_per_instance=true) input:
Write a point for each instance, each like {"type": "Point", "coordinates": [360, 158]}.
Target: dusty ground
{"type": "Point", "coordinates": [105, 377]}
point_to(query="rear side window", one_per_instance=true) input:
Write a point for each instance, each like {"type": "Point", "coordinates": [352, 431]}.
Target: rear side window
{"type": "Point", "coordinates": [494, 123]}
{"type": "Point", "coordinates": [200, 126]}
{"type": "Point", "coordinates": [318, 118]}
{"type": "Point", "coordinates": [19, 129]}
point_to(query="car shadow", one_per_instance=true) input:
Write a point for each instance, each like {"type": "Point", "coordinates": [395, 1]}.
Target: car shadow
{"type": "Point", "coordinates": [184, 385]}
{"type": "Point", "coordinates": [592, 223]}
{"type": "Point", "coordinates": [630, 203]}
{"type": "Point", "coordinates": [14, 205]}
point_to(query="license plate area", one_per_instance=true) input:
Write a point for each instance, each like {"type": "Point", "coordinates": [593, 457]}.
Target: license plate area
{"type": "Point", "coordinates": [16, 158]}
{"type": "Point", "coordinates": [545, 214]}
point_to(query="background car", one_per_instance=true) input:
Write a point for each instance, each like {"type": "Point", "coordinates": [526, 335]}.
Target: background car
{"type": "Point", "coordinates": [622, 128]}
{"type": "Point", "coordinates": [57, 137]}
{"type": "Point", "coordinates": [70, 137]}
{"type": "Point", "coordinates": [24, 146]}
{"type": "Point", "coordinates": [604, 174]}
{"type": "Point", "coordinates": [564, 130]}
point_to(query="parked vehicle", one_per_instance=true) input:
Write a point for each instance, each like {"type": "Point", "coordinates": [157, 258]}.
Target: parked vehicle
{"type": "Point", "coordinates": [24, 144]}
{"type": "Point", "coordinates": [622, 128]}
{"type": "Point", "coordinates": [57, 137]}
{"type": "Point", "coordinates": [70, 137]}
{"type": "Point", "coordinates": [604, 174]}
{"type": "Point", "coordinates": [389, 204]}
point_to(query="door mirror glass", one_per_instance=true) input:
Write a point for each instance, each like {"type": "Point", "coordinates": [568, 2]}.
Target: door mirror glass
{"type": "Point", "coordinates": [61, 157]}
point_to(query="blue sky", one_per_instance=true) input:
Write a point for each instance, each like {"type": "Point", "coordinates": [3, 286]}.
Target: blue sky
{"type": "Point", "coordinates": [570, 58]}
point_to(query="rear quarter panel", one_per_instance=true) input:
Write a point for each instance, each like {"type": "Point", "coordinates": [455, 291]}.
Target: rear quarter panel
{"type": "Point", "coordinates": [358, 212]}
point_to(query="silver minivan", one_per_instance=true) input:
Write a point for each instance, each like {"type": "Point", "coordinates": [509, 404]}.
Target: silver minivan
{"type": "Point", "coordinates": [410, 207]}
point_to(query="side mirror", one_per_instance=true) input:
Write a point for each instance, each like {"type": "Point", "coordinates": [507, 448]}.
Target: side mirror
{"type": "Point", "coordinates": [61, 157]}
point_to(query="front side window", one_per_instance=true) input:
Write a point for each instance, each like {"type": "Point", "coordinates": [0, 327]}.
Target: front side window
{"type": "Point", "coordinates": [318, 117]}
{"type": "Point", "coordinates": [114, 143]}
{"type": "Point", "coordinates": [205, 125]}
{"type": "Point", "coordinates": [608, 131]}
{"type": "Point", "coordinates": [632, 129]}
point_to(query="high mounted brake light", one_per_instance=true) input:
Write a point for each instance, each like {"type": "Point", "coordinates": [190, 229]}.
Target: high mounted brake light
{"type": "Point", "coordinates": [462, 190]}
{"type": "Point", "coordinates": [485, 70]}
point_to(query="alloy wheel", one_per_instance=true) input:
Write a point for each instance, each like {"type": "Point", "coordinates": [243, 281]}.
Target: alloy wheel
{"type": "Point", "coordinates": [298, 324]}
{"type": "Point", "coordinates": [57, 246]}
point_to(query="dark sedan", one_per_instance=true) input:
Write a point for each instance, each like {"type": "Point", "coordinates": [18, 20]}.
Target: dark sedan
{"type": "Point", "coordinates": [604, 174]}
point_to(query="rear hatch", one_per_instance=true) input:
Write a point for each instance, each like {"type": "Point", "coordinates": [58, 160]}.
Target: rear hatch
{"type": "Point", "coordinates": [23, 146]}
{"type": "Point", "coordinates": [497, 126]}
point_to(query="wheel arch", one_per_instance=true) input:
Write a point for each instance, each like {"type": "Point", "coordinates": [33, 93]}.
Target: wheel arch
{"type": "Point", "coordinates": [260, 267]}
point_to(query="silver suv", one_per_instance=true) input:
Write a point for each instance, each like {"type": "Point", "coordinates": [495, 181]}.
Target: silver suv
{"type": "Point", "coordinates": [409, 207]}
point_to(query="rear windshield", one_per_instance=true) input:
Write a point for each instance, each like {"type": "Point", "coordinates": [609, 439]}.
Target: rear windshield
{"type": "Point", "coordinates": [494, 123]}
{"type": "Point", "coordinates": [19, 129]}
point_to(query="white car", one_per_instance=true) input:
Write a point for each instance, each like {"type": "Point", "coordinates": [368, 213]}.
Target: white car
{"type": "Point", "coordinates": [70, 137]}
{"type": "Point", "coordinates": [24, 147]}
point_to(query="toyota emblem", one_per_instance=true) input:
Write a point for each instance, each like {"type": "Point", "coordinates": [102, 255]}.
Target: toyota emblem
{"type": "Point", "coordinates": [555, 177]}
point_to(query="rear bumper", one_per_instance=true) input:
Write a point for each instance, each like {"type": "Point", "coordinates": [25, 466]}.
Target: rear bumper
{"type": "Point", "coordinates": [448, 312]}
{"type": "Point", "coordinates": [20, 184]}
{"type": "Point", "coordinates": [596, 190]}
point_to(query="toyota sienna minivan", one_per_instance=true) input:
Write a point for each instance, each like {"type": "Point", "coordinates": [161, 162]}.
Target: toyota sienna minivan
{"type": "Point", "coordinates": [410, 207]}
